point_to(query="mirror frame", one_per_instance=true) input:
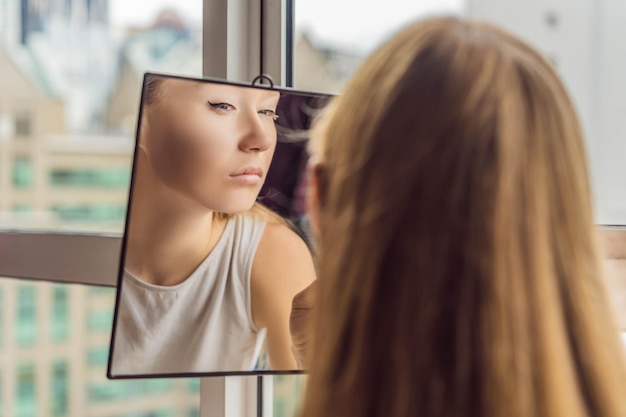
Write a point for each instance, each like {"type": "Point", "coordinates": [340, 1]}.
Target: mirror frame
{"type": "Point", "coordinates": [122, 255]}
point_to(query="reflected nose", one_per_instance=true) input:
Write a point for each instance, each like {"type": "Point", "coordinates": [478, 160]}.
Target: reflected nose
{"type": "Point", "coordinates": [258, 135]}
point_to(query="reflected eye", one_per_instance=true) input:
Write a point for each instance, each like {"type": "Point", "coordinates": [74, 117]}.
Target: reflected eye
{"type": "Point", "coordinates": [222, 107]}
{"type": "Point", "coordinates": [269, 113]}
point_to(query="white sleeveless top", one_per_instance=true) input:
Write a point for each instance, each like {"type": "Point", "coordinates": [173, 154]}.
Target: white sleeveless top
{"type": "Point", "coordinates": [203, 324]}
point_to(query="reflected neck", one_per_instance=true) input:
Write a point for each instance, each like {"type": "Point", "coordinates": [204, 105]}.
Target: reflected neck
{"type": "Point", "coordinates": [167, 238]}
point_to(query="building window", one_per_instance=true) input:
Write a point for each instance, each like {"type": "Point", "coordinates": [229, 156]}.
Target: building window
{"type": "Point", "coordinates": [99, 320]}
{"type": "Point", "coordinates": [103, 178]}
{"type": "Point", "coordinates": [91, 213]}
{"type": "Point", "coordinates": [103, 291]}
{"type": "Point", "coordinates": [26, 316]}
{"type": "Point", "coordinates": [107, 391]}
{"type": "Point", "coordinates": [23, 125]}
{"type": "Point", "coordinates": [59, 389]}
{"type": "Point", "coordinates": [59, 329]}
{"type": "Point", "coordinates": [193, 385]}
{"type": "Point", "coordinates": [22, 172]}
{"type": "Point", "coordinates": [25, 404]}
{"type": "Point", "coordinates": [98, 357]}
{"type": "Point", "coordinates": [22, 207]}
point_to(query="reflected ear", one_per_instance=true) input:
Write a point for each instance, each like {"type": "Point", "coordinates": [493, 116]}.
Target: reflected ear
{"type": "Point", "coordinates": [315, 193]}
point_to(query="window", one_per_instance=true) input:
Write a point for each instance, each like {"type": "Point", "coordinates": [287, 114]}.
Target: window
{"type": "Point", "coordinates": [99, 320]}
{"type": "Point", "coordinates": [26, 404]}
{"type": "Point", "coordinates": [120, 390]}
{"type": "Point", "coordinates": [22, 125]}
{"type": "Point", "coordinates": [101, 291]}
{"type": "Point", "coordinates": [327, 51]}
{"type": "Point", "coordinates": [59, 329]}
{"type": "Point", "coordinates": [59, 388]}
{"type": "Point", "coordinates": [105, 178]}
{"type": "Point", "coordinates": [98, 357]}
{"type": "Point", "coordinates": [90, 213]}
{"type": "Point", "coordinates": [26, 315]}
{"type": "Point", "coordinates": [22, 172]}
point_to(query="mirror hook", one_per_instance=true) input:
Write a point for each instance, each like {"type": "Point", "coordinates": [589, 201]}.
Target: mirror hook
{"type": "Point", "coordinates": [263, 77]}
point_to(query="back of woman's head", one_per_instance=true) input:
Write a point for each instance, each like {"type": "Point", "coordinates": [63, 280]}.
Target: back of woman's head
{"type": "Point", "coordinates": [458, 268]}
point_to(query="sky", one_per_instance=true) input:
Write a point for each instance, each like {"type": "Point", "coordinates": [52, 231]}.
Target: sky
{"type": "Point", "coordinates": [360, 24]}
{"type": "Point", "coordinates": [363, 24]}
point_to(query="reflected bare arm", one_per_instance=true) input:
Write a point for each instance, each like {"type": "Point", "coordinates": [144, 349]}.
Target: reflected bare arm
{"type": "Point", "coordinates": [282, 267]}
{"type": "Point", "coordinates": [300, 321]}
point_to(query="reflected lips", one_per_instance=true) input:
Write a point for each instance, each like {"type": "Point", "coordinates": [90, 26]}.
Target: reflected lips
{"type": "Point", "coordinates": [250, 176]}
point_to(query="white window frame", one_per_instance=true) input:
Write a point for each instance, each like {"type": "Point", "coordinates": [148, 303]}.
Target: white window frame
{"type": "Point", "coordinates": [232, 50]}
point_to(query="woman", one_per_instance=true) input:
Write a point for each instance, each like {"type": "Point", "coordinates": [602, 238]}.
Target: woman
{"type": "Point", "coordinates": [208, 274]}
{"type": "Point", "coordinates": [459, 274]}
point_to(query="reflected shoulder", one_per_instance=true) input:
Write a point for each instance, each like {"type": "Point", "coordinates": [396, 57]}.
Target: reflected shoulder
{"type": "Point", "coordinates": [281, 244]}
{"type": "Point", "coordinates": [283, 264]}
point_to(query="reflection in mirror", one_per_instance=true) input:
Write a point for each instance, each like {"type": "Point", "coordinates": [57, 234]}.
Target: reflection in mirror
{"type": "Point", "coordinates": [216, 242]}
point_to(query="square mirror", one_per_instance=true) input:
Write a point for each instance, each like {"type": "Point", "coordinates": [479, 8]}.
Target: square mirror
{"type": "Point", "coordinates": [216, 240]}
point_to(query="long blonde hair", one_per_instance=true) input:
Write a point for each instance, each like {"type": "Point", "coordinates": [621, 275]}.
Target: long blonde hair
{"type": "Point", "coordinates": [459, 274]}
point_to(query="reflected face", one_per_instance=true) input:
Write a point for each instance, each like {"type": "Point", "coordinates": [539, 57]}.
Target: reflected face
{"type": "Point", "coordinates": [210, 143]}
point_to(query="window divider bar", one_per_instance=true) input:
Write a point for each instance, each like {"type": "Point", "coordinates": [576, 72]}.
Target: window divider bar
{"type": "Point", "coordinates": [80, 258]}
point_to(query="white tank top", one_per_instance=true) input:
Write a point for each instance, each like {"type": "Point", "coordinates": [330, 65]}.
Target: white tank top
{"type": "Point", "coordinates": [203, 324]}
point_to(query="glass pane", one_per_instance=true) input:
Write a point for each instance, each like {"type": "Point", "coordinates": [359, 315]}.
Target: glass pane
{"type": "Point", "coordinates": [26, 315]}
{"type": "Point", "coordinates": [99, 320]}
{"type": "Point", "coordinates": [62, 372]}
{"type": "Point", "coordinates": [584, 41]}
{"type": "Point", "coordinates": [71, 72]}
{"type": "Point", "coordinates": [22, 172]}
{"type": "Point", "coordinates": [59, 389]}
{"type": "Point", "coordinates": [98, 357]}
{"type": "Point", "coordinates": [327, 50]}
{"type": "Point", "coordinates": [59, 328]}
{"type": "Point", "coordinates": [25, 404]}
